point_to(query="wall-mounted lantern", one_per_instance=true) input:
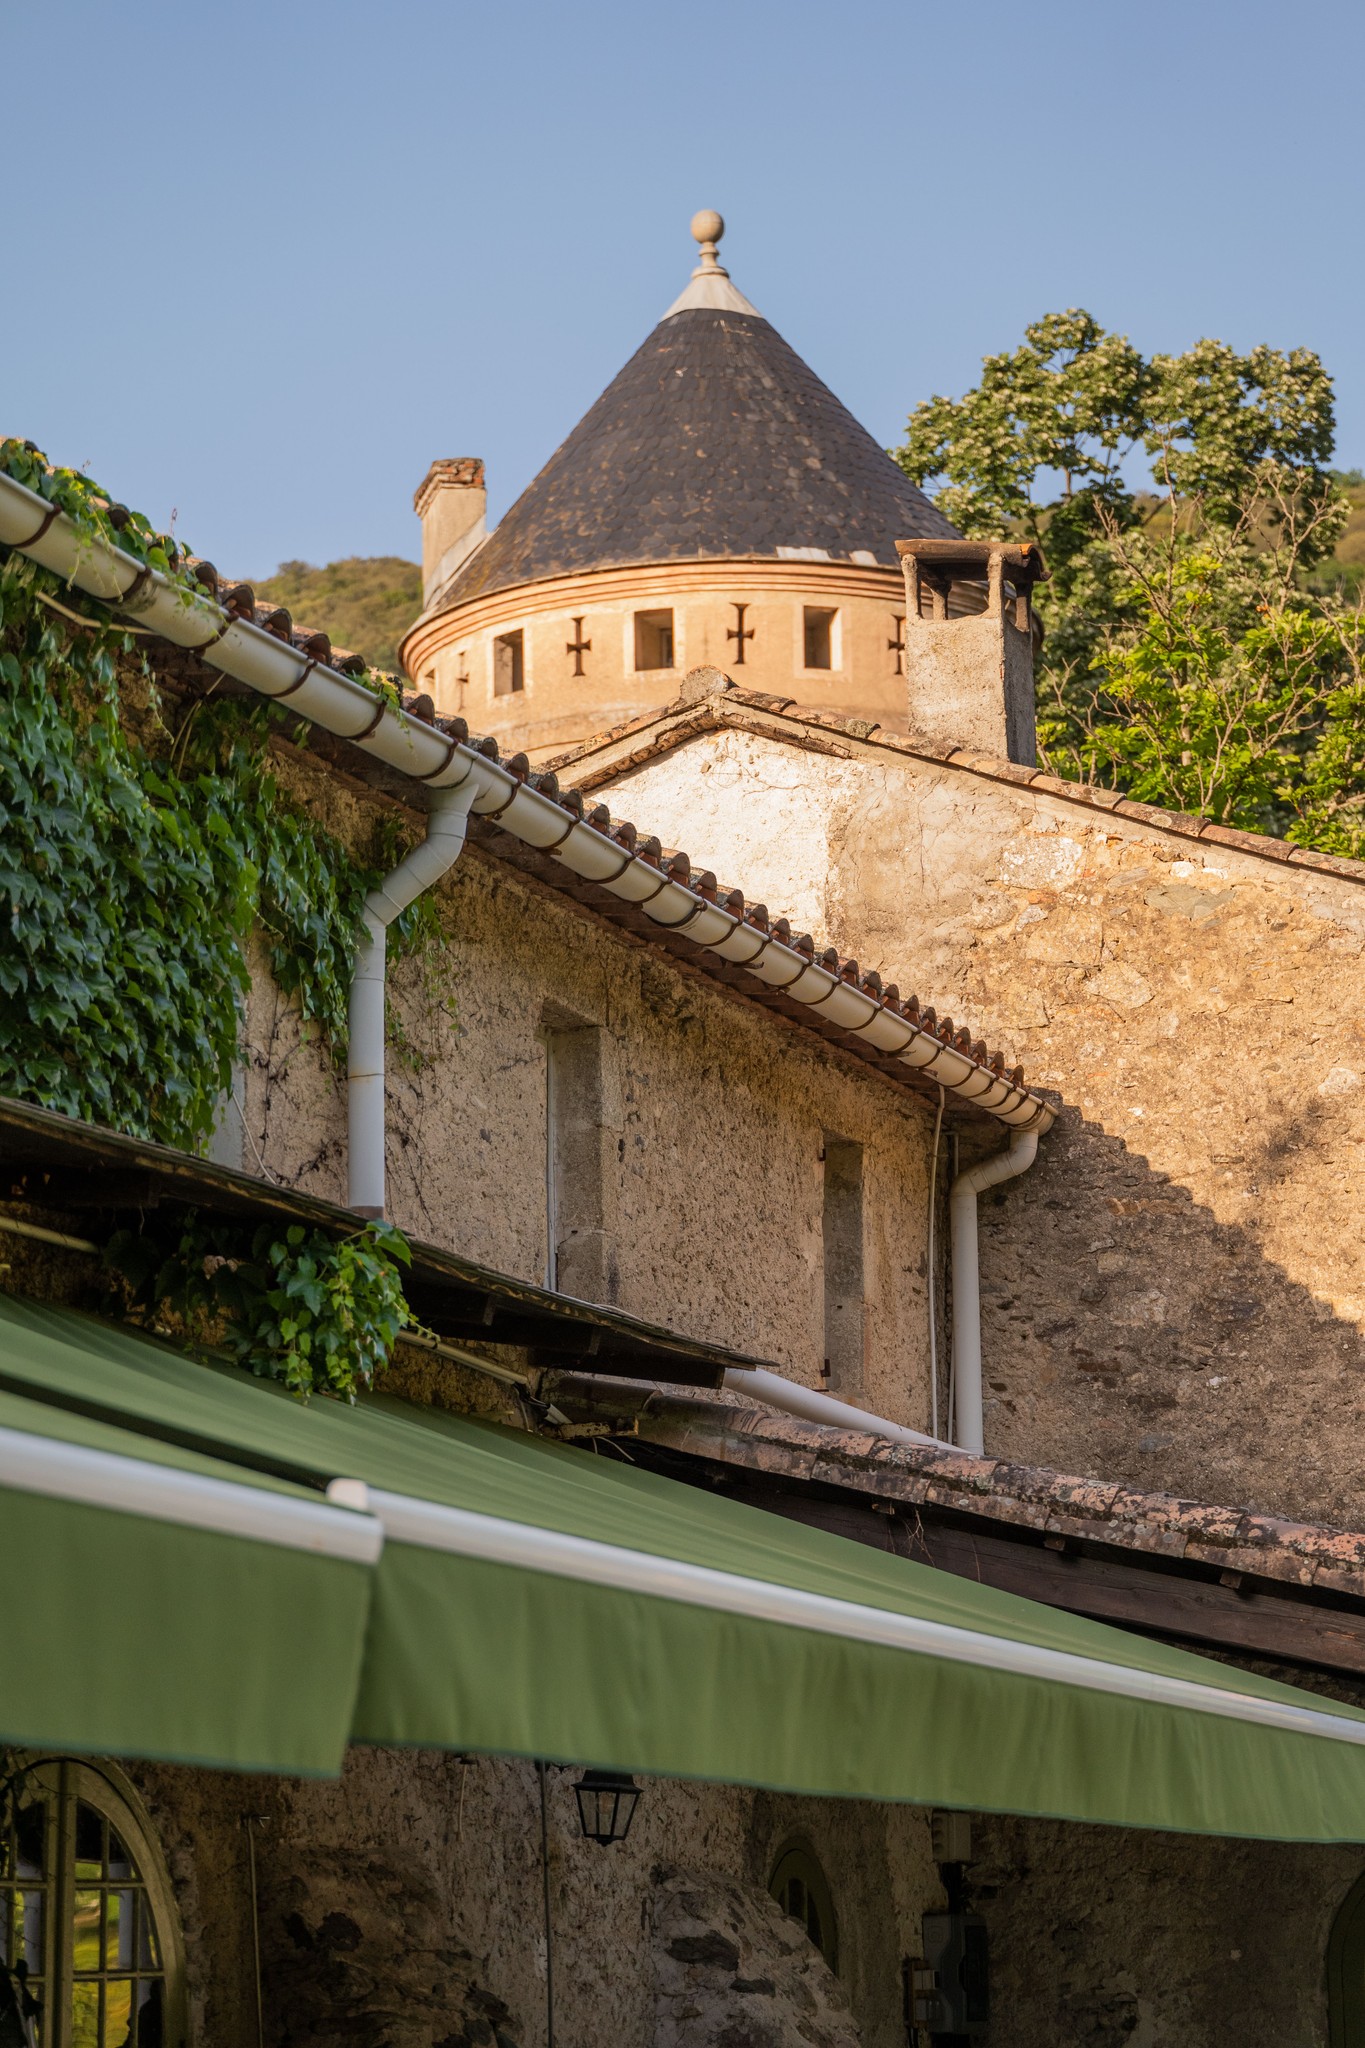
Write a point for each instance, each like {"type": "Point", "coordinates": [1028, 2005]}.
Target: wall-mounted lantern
{"type": "Point", "coordinates": [606, 1805]}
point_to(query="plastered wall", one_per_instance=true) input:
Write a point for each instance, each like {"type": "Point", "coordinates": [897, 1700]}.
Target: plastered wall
{"type": "Point", "coordinates": [1175, 1295]}
{"type": "Point", "coordinates": [580, 653]}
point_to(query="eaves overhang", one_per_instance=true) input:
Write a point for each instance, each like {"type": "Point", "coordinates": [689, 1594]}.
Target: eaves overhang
{"type": "Point", "coordinates": [1240, 1582]}
{"type": "Point", "coordinates": [59, 1169]}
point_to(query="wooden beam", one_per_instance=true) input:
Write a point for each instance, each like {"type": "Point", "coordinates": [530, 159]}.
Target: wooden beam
{"type": "Point", "coordinates": [1260, 1623]}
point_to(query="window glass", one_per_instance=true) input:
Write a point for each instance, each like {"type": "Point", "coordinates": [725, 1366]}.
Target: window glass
{"type": "Point", "coordinates": [83, 1911]}
{"type": "Point", "coordinates": [115, 1955]}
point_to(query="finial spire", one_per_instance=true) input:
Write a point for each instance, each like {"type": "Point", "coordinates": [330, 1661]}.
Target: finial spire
{"type": "Point", "coordinates": [707, 228]}
{"type": "Point", "coordinates": [710, 289]}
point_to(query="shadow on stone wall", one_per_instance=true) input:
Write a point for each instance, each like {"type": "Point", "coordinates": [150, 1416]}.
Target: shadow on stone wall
{"type": "Point", "coordinates": [356, 1953]}
{"type": "Point", "coordinates": [1130, 1333]}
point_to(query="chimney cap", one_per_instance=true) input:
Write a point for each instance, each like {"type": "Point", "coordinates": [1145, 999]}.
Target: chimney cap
{"type": "Point", "coordinates": [971, 557]}
{"type": "Point", "coordinates": [448, 472]}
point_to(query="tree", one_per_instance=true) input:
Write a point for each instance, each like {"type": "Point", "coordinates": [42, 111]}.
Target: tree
{"type": "Point", "coordinates": [1191, 655]}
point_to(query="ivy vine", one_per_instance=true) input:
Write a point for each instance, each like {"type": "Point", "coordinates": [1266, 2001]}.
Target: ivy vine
{"type": "Point", "coordinates": [137, 855]}
{"type": "Point", "coordinates": [318, 1313]}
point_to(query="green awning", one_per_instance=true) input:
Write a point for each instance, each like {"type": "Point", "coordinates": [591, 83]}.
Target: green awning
{"type": "Point", "coordinates": [535, 1600]}
{"type": "Point", "coordinates": [155, 1602]}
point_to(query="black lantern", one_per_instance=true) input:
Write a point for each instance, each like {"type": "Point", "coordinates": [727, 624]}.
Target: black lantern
{"type": "Point", "coordinates": [606, 1805]}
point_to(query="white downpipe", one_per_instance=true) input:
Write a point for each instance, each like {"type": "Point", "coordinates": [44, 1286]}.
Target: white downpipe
{"type": "Point", "coordinates": [1018, 1156]}
{"type": "Point", "coordinates": [437, 854]}
{"type": "Point", "coordinates": [464, 1532]}
{"type": "Point", "coordinates": [776, 1392]}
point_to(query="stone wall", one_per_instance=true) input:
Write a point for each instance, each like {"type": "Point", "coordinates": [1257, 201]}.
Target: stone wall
{"type": "Point", "coordinates": [1101, 1938]}
{"type": "Point", "coordinates": [706, 1162]}
{"type": "Point", "coordinates": [403, 1908]}
{"type": "Point", "coordinates": [1175, 1295]}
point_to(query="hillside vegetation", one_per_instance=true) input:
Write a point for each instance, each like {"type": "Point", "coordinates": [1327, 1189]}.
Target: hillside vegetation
{"type": "Point", "coordinates": [1344, 569]}
{"type": "Point", "coordinates": [365, 603]}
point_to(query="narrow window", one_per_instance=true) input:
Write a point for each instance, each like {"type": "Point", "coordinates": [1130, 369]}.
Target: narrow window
{"type": "Point", "coordinates": [843, 1232]}
{"type": "Point", "coordinates": [802, 1891]}
{"type": "Point", "coordinates": [509, 673]}
{"type": "Point", "coordinates": [654, 639]}
{"type": "Point", "coordinates": [575, 1261]}
{"type": "Point", "coordinates": [819, 637]}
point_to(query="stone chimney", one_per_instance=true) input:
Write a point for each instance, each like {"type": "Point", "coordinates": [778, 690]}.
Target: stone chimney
{"type": "Point", "coordinates": [969, 669]}
{"type": "Point", "coordinates": [452, 504]}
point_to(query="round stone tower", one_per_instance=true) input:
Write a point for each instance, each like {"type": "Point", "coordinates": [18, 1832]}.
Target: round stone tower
{"type": "Point", "coordinates": [717, 506]}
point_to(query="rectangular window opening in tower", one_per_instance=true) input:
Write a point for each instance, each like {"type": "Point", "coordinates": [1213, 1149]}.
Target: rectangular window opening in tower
{"type": "Point", "coordinates": [509, 664]}
{"type": "Point", "coordinates": [842, 1222]}
{"type": "Point", "coordinates": [653, 640]}
{"type": "Point", "coordinates": [819, 637]}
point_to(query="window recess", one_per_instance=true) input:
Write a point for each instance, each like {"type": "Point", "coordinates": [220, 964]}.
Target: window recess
{"type": "Point", "coordinates": [654, 639]}
{"type": "Point", "coordinates": [575, 1248]}
{"type": "Point", "coordinates": [509, 664]}
{"type": "Point", "coordinates": [819, 637]}
{"type": "Point", "coordinates": [843, 1243]}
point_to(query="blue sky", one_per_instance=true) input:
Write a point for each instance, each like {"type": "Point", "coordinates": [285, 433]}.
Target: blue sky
{"type": "Point", "coordinates": [263, 263]}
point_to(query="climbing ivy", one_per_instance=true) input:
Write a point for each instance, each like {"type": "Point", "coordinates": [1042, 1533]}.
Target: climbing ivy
{"type": "Point", "coordinates": [136, 855]}
{"type": "Point", "coordinates": [318, 1313]}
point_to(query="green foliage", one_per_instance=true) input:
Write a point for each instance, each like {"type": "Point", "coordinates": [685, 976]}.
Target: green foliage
{"type": "Point", "coordinates": [317, 1313]}
{"type": "Point", "coordinates": [1199, 652]}
{"type": "Point", "coordinates": [365, 602]}
{"type": "Point", "coordinates": [94, 510]}
{"type": "Point", "coordinates": [137, 859]}
{"type": "Point", "coordinates": [129, 893]}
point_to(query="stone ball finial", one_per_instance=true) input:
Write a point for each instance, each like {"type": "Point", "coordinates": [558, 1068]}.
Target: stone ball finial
{"type": "Point", "coordinates": [707, 228]}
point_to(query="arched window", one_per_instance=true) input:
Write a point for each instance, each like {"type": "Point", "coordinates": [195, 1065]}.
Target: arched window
{"type": "Point", "coordinates": [90, 1947]}
{"type": "Point", "coordinates": [1346, 1971]}
{"type": "Point", "coordinates": [801, 1889]}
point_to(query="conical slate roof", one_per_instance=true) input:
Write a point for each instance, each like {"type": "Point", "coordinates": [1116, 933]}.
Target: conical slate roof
{"type": "Point", "coordinates": [715, 440]}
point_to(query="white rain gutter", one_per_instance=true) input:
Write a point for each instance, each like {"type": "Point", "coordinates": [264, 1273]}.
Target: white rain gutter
{"type": "Point", "coordinates": [437, 854]}
{"type": "Point", "coordinates": [163, 1493]}
{"type": "Point", "coordinates": [968, 1403]}
{"type": "Point", "coordinates": [460, 1532]}
{"type": "Point", "coordinates": [341, 705]}
{"type": "Point", "coordinates": [776, 1392]}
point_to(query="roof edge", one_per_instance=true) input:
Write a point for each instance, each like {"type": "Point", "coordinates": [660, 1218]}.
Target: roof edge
{"type": "Point", "coordinates": [1316, 1556]}
{"type": "Point", "coordinates": [759, 710]}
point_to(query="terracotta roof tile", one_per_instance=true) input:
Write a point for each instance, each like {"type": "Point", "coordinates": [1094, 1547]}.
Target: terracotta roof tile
{"type": "Point", "coordinates": [991, 1489]}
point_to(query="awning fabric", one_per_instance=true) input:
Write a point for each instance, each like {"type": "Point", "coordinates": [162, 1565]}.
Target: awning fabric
{"type": "Point", "coordinates": [151, 1601]}
{"type": "Point", "coordinates": [531, 1599]}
